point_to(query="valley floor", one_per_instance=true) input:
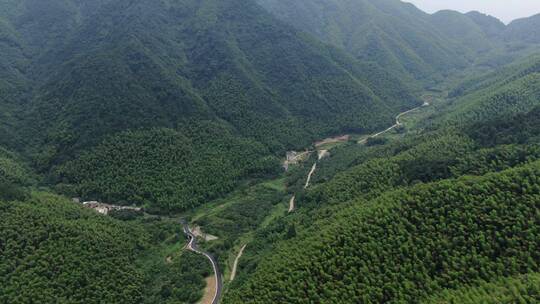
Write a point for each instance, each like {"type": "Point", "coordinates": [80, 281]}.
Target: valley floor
{"type": "Point", "coordinates": [218, 210]}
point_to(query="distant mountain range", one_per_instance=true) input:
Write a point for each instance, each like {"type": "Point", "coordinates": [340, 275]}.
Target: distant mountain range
{"type": "Point", "coordinates": [401, 37]}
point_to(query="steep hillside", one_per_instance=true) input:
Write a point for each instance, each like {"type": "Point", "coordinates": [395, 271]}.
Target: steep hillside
{"type": "Point", "coordinates": [179, 172]}
{"type": "Point", "coordinates": [12, 81]}
{"type": "Point", "coordinates": [391, 33]}
{"type": "Point", "coordinates": [524, 30]}
{"type": "Point", "coordinates": [413, 44]}
{"type": "Point", "coordinates": [408, 244]}
{"type": "Point", "coordinates": [54, 250]}
{"type": "Point", "coordinates": [52, 265]}
{"type": "Point", "coordinates": [491, 26]}
{"type": "Point", "coordinates": [14, 176]}
{"type": "Point", "coordinates": [11, 63]}
{"type": "Point", "coordinates": [510, 90]}
{"type": "Point", "coordinates": [522, 289]}
{"type": "Point", "coordinates": [100, 69]}
{"type": "Point", "coordinates": [463, 29]}
{"type": "Point", "coordinates": [394, 224]}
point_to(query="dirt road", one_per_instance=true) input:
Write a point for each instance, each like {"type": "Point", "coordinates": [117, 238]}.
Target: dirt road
{"type": "Point", "coordinates": [291, 204]}
{"type": "Point", "coordinates": [235, 265]}
{"type": "Point", "coordinates": [310, 174]}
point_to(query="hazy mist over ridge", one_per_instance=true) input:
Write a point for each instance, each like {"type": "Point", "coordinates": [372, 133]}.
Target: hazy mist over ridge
{"type": "Point", "coordinates": [506, 11]}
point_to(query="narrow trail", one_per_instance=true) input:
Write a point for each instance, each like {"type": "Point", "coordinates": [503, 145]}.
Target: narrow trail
{"type": "Point", "coordinates": [192, 245]}
{"type": "Point", "coordinates": [235, 265]}
{"type": "Point", "coordinates": [363, 141]}
{"type": "Point", "coordinates": [291, 204]}
{"type": "Point", "coordinates": [310, 174]}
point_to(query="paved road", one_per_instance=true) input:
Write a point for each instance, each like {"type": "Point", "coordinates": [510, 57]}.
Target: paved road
{"type": "Point", "coordinates": [397, 124]}
{"type": "Point", "coordinates": [192, 245]}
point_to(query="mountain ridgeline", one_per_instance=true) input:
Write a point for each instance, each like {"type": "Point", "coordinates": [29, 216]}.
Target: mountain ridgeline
{"type": "Point", "coordinates": [410, 42]}
{"type": "Point", "coordinates": [95, 70]}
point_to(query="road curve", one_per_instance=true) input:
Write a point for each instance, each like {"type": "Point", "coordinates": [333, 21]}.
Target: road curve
{"type": "Point", "coordinates": [192, 245]}
{"type": "Point", "coordinates": [397, 124]}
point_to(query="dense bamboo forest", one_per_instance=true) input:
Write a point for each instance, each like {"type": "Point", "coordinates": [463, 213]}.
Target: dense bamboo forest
{"type": "Point", "coordinates": [267, 151]}
{"type": "Point", "coordinates": [449, 208]}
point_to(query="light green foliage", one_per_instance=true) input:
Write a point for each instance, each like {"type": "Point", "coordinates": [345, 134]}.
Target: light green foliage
{"type": "Point", "coordinates": [165, 170]}
{"type": "Point", "coordinates": [408, 244]}
{"type": "Point", "coordinates": [495, 159]}
{"type": "Point", "coordinates": [106, 74]}
{"type": "Point", "coordinates": [372, 234]}
{"type": "Point", "coordinates": [425, 158]}
{"type": "Point", "coordinates": [506, 92]}
{"type": "Point", "coordinates": [238, 215]}
{"type": "Point", "coordinates": [55, 251]}
{"type": "Point", "coordinates": [12, 169]}
{"type": "Point", "coordinates": [523, 289]}
{"type": "Point", "coordinates": [14, 175]}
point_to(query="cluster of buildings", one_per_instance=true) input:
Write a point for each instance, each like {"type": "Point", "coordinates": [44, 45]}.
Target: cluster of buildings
{"type": "Point", "coordinates": [104, 208]}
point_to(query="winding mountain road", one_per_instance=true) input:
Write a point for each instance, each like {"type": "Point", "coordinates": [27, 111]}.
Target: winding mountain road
{"type": "Point", "coordinates": [192, 245]}
{"type": "Point", "coordinates": [397, 124]}
{"type": "Point", "coordinates": [363, 141]}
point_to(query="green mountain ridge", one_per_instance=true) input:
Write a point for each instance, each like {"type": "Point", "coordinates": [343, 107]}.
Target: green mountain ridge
{"type": "Point", "coordinates": [186, 108]}
{"type": "Point", "coordinates": [511, 90]}
{"type": "Point", "coordinates": [109, 67]}
{"type": "Point", "coordinates": [492, 26]}
{"type": "Point", "coordinates": [363, 234]}
{"type": "Point", "coordinates": [389, 32]}
{"type": "Point", "coordinates": [361, 244]}
{"type": "Point", "coordinates": [523, 289]}
{"type": "Point", "coordinates": [60, 252]}
{"type": "Point", "coordinates": [524, 29]}
{"type": "Point", "coordinates": [414, 44]}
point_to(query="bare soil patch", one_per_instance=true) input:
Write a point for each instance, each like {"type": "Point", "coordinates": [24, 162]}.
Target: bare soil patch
{"type": "Point", "coordinates": [209, 291]}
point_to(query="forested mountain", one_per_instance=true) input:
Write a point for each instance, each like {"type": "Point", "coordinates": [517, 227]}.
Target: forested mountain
{"type": "Point", "coordinates": [405, 245]}
{"type": "Point", "coordinates": [187, 108]}
{"type": "Point", "coordinates": [525, 29]}
{"type": "Point", "coordinates": [522, 289]}
{"type": "Point", "coordinates": [389, 32]}
{"type": "Point", "coordinates": [414, 44]}
{"type": "Point", "coordinates": [14, 175]}
{"type": "Point", "coordinates": [463, 29]}
{"type": "Point", "coordinates": [97, 69]}
{"type": "Point", "coordinates": [411, 219]}
{"type": "Point", "coordinates": [510, 90]}
{"type": "Point", "coordinates": [80, 75]}
{"type": "Point", "coordinates": [419, 219]}
{"type": "Point", "coordinates": [55, 251]}
{"type": "Point", "coordinates": [490, 25]}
